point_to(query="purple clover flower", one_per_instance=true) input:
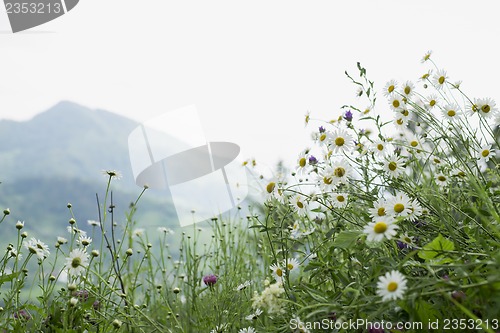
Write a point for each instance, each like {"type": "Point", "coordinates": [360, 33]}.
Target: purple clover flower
{"type": "Point", "coordinates": [210, 279]}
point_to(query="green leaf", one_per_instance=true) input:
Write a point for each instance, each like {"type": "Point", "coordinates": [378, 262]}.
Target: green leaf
{"type": "Point", "coordinates": [346, 239]}
{"type": "Point", "coordinates": [8, 277]}
{"type": "Point", "coordinates": [436, 247]}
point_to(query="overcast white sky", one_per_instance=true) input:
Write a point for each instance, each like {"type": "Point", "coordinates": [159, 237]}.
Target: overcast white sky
{"type": "Point", "coordinates": [253, 68]}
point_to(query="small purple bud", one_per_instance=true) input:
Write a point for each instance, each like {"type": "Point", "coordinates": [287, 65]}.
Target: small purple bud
{"type": "Point", "coordinates": [22, 314]}
{"type": "Point", "coordinates": [458, 296]}
{"type": "Point", "coordinates": [402, 245]}
{"type": "Point", "coordinates": [313, 160]}
{"type": "Point", "coordinates": [322, 129]}
{"type": "Point", "coordinates": [210, 279]}
{"type": "Point", "coordinates": [348, 115]}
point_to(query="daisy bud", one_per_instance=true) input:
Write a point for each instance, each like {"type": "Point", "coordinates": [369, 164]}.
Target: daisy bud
{"type": "Point", "coordinates": [6, 211]}
{"type": "Point", "coordinates": [117, 323]}
{"type": "Point", "coordinates": [72, 221]}
{"type": "Point", "coordinates": [19, 225]}
{"type": "Point", "coordinates": [176, 290]}
{"type": "Point", "coordinates": [73, 301]}
{"type": "Point", "coordinates": [68, 205]}
{"type": "Point", "coordinates": [129, 252]}
{"type": "Point", "coordinates": [24, 234]}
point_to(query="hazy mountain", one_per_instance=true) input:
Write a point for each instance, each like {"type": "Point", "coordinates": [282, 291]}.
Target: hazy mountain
{"type": "Point", "coordinates": [58, 157]}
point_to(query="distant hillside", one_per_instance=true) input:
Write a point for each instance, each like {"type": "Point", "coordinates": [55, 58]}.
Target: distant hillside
{"type": "Point", "coordinates": [57, 157]}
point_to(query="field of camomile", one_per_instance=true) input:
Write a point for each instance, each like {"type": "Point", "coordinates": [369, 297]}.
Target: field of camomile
{"type": "Point", "coordinates": [389, 222]}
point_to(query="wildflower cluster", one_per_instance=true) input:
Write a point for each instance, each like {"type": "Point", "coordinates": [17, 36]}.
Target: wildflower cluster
{"type": "Point", "coordinates": [387, 203]}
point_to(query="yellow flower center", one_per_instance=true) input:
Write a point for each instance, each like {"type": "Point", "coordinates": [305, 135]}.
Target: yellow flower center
{"type": "Point", "coordinates": [300, 204]}
{"type": "Point", "coordinates": [381, 211]}
{"type": "Point", "coordinates": [391, 88]}
{"type": "Point", "coordinates": [289, 266]}
{"type": "Point", "coordinates": [279, 272]}
{"type": "Point", "coordinates": [327, 180]}
{"type": "Point", "coordinates": [322, 137]}
{"type": "Point", "coordinates": [432, 102]}
{"type": "Point", "coordinates": [451, 113]}
{"type": "Point", "coordinates": [414, 143]}
{"type": "Point", "coordinates": [340, 198]}
{"type": "Point", "coordinates": [437, 161]}
{"type": "Point", "coordinates": [395, 103]}
{"type": "Point", "coordinates": [441, 80]}
{"type": "Point", "coordinates": [400, 121]}
{"type": "Point", "coordinates": [486, 108]}
{"type": "Point", "coordinates": [339, 141]}
{"type": "Point", "coordinates": [407, 90]}
{"type": "Point", "coordinates": [405, 113]}
{"type": "Point", "coordinates": [485, 153]}
{"type": "Point", "coordinates": [393, 166]}
{"type": "Point", "coordinates": [399, 207]}
{"type": "Point", "coordinates": [302, 162]}
{"type": "Point", "coordinates": [270, 187]}
{"type": "Point", "coordinates": [442, 178]}
{"type": "Point", "coordinates": [392, 286]}
{"type": "Point", "coordinates": [339, 172]}
{"type": "Point", "coordinates": [380, 227]}
{"type": "Point", "coordinates": [380, 147]}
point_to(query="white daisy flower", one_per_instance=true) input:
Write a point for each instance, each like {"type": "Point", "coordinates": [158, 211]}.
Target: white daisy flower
{"type": "Point", "coordinates": [278, 272]}
{"type": "Point", "coordinates": [165, 230]}
{"type": "Point", "coordinates": [36, 246]}
{"type": "Point", "coordinates": [254, 315]}
{"type": "Point", "coordinates": [84, 240]}
{"type": "Point", "coordinates": [302, 165]}
{"type": "Point", "coordinates": [300, 204]}
{"type": "Point", "coordinates": [291, 264]}
{"type": "Point", "coordinates": [396, 102]}
{"type": "Point", "coordinates": [486, 107]}
{"type": "Point", "coordinates": [381, 148]}
{"type": "Point", "coordinates": [93, 223]}
{"type": "Point", "coordinates": [379, 209]}
{"type": "Point", "coordinates": [431, 101]}
{"type": "Point", "coordinates": [391, 286]}
{"type": "Point", "coordinates": [441, 180]}
{"type": "Point", "coordinates": [399, 205]}
{"type": "Point", "coordinates": [339, 200]}
{"type": "Point", "coordinates": [485, 153]}
{"type": "Point", "coordinates": [249, 329]}
{"type": "Point", "coordinates": [451, 112]}
{"type": "Point", "coordinates": [426, 56]}
{"type": "Point", "coordinates": [394, 166]}
{"type": "Point", "coordinates": [243, 286]}
{"type": "Point", "coordinates": [439, 79]}
{"type": "Point", "coordinates": [416, 210]}
{"type": "Point", "coordinates": [400, 123]}
{"type": "Point", "coordinates": [379, 229]}
{"type": "Point", "coordinates": [390, 88]}
{"type": "Point", "coordinates": [341, 171]}
{"type": "Point", "coordinates": [408, 89]}
{"type": "Point", "coordinates": [77, 262]}
{"type": "Point", "coordinates": [341, 142]}
{"type": "Point", "coordinates": [325, 179]}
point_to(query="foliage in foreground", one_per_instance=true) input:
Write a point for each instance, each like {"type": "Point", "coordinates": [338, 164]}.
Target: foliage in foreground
{"type": "Point", "coordinates": [386, 220]}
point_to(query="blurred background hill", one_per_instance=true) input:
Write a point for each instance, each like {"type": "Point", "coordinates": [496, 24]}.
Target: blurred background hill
{"type": "Point", "coordinates": [58, 157]}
